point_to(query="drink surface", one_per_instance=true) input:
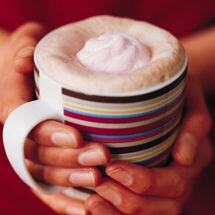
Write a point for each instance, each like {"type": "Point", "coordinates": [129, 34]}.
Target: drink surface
{"type": "Point", "coordinates": [109, 55]}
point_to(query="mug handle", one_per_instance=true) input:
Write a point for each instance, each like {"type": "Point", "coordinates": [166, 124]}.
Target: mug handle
{"type": "Point", "coordinates": [16, 129]}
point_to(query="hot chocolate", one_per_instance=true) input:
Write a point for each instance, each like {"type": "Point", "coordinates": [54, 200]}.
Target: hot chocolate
{"type": "Point", "coordinates": [109, 55]}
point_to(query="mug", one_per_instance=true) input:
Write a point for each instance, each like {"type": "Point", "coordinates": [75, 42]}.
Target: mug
{"type": "Point", "coordinates": [140, 126]}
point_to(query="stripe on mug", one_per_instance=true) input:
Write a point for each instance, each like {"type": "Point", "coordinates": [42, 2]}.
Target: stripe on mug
{"type": "Point", "coordinates": [126, 119]}
{"type": "Point", "coordinates": [142, 115]}
{"type": "Point", "coordinates": [125, 99]}
{"type": "Point", "coordinates": [126, 124]}
{"type": "Point", "coordinates": [94, 107]}
{"type": "Point", "coordinates": [143, 146]}
{"type": "Point", "coordinates": [172, 93]}
{"type": "Point", "coordinates": [127, 138]}
{"type": "Point", "coordinates": [121, 131]}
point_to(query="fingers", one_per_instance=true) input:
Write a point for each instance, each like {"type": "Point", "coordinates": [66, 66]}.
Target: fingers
{"type": "Point", "coordinates": [173, 181]}
{"type": "Point", "coordinates": [165, 182]}
{"type": "Point", "coordinates": [130, 203]}
{"type": "Point", "coordinates": [195, 127]}
{"type": "Point", "coordinates": [31, 29]}
{"type": "Point", "coordinates": [23, 62]}
{"type": "Point", "coordinates": [82, 177]}
{"type": "Point", "coordinates": [115, 194]}
{"type": "Point", "coordinates": [97, 206]}
{"type": "Point", "coordinates": [24, 39]}
{"type": "Point", "coordinates": [135, 177]}
{"type": "Point", "coordinates": [63, 204]}
{"type": "Point", "coordinates": [92, 154]}
{"type": "Point", "coordinates": [53, 133]}
{"type": "Point", "coordinates": [16, 58]}
{"type": "Point", "coordinates": [20, 92]}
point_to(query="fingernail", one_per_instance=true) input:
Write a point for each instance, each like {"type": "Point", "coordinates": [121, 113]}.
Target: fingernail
{"type": "Point", "coordinates": [82, 178]}
{"type": "Point", "coordinates": [92, 157]}
{"type": "Point", "coordinates": [121, 176]}
{"type": "Point", "coordinates": [25, 52]}
{"type": "Point", "coordinates": [188, 148]}
{"type": "Point", "coordinates": [61, 138]}
{"type": "Point", "coordinates": [109, 193]}
{"type": "Point", "coordinates": [72, 210]}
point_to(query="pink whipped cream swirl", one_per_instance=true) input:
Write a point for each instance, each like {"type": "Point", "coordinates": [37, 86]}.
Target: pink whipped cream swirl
{"type": "Point", "coordinates": [114, 53]}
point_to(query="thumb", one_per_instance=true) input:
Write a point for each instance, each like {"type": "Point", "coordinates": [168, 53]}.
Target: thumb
{"type": "Point", "coordinates": [26, 37]}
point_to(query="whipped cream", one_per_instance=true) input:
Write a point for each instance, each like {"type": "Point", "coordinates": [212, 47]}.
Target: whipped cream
{"type": "Point", "coordinates": [114, 53]}
{"type": "Point", "coordinates": [157, 53]}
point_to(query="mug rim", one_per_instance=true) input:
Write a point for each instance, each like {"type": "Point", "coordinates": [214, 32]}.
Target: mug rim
{"type": "Point", "coordinates": [147, 90]}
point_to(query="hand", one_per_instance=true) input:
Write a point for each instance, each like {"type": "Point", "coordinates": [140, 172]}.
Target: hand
{"type": "Point", "coordinates": [55, 153]}
{"type": "Point", "coordinates": [16, 52]}
{"type": "Point", "coordinates": [139, 190]}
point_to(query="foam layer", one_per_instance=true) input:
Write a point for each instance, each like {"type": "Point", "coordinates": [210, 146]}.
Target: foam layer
{"type": "Point", "coordinates": [56, 56]}
{"type": "Point", "coordinates": [113, 53]}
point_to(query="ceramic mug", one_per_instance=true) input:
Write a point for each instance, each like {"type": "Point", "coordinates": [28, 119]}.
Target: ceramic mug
{"type": "Point", "coordinates": [140, 127]}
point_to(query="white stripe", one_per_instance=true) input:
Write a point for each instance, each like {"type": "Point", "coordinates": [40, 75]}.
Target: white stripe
{"type": "Point", "coordinates": [140, 155]}
{"type": "Point", "coordinates": [140, 142]}
{"type": "Point", "coordinates": [120, 125]}
{"type": "Point", "coordinates": [85, 103]}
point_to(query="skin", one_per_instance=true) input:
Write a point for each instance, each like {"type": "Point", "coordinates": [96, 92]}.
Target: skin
{"type": "Point", "coordinates": [53, 160]}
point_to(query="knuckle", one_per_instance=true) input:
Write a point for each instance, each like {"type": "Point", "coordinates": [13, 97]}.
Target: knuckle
{"type": "Point", "coordinates": [26, 40]}
{"type": "Point", "coordinates": [206, 122]}
{"type": "Point", "coordinates": [49, 156]}
{"type": "Point", "coordinates": [59, 159]}
{"type": "Point", "coordinates": [148, 177]}
{"type": "Point", "coordinates": [180, 187]}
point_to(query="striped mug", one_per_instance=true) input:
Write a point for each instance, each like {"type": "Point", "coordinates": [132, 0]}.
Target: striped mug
{"type": "Point", "coordinates": [140, 127]}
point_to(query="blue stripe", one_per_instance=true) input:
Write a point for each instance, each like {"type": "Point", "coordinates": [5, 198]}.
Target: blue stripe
{"type": "Point", "coordinates": [124, 115]}
{"type": "Point", "coordinates": [132, 135]}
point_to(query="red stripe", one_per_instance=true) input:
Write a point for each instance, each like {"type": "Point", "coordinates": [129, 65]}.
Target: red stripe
{"type": "Point", "coordinates": [123, 120]}
{"type": "Point", "coordinates": [122, 131]}
{"type": "Point", "coordinates": [131, 139]}
{"type": "Point", "coordinates": [127, 139]}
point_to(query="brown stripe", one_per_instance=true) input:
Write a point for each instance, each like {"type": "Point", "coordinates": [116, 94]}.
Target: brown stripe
{"type": "Point", "coordinates": [143, 146]}
{"type": "Point", "coordinates": [126, 99]}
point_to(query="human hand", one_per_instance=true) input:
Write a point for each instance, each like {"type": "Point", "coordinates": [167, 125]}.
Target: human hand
{"type": "Point", "coordinates": [139, 190]}
{"type": "Point", "coordinates": [16, 64]}
{"type": "Point", "coordinates": [55, 153]}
